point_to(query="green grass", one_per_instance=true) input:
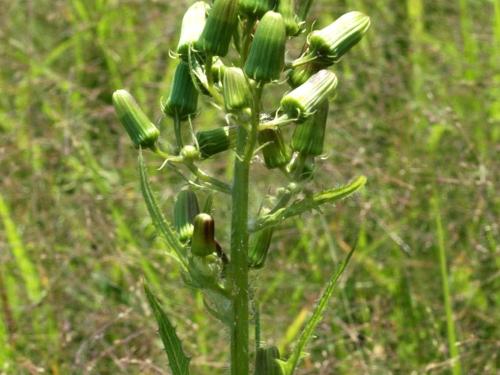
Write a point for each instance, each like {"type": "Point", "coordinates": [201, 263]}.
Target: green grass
{"type": "Point", "coordinates": [417, 113]}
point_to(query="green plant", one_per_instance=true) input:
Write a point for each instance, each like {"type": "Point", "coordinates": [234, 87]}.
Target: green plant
{"type": "Point", "coordinates": [236, 86]}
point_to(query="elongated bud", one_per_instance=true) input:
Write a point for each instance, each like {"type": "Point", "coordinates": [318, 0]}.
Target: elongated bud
{"type": "Point", "coordinates": [287, 10]}
{"type": "Point", "coordinates": [267, 53]}
{"type": "Point", "coordinates": [138, 126]}
{"type": "Point", "coordinates": [265, 361]}
{"type": "Point", "coordinates": [220, 26]}
{"type": "Point", "coordinates": [183, 98]}
{"type": "Point", "coordinates": [256, 8]}
{"type": "Point", "coordinates": [185, 210]}
{"type": "Point", "coordinates": [309, 136]}
{"type": "Point", "coordinates": [218, 69]}
{"type": "Point", "coordinates": [276, 153]}
{"type": "Point", "coordinates": [300, 74]}
{"type": "Point", "coordinates": [193, 24]}
{"type": "Point", "coordinates": [333, 41]}
{"type": "Point", "coordinates": [303, 101]}
{"type": "Point", "coordinates": [203, 241]}
{"type": "Point", "coordinates": [235, 89]}
{"type": "Point", "coordinates": [259, 247]}
{"type": "Point", "coordinates": [214, 141]}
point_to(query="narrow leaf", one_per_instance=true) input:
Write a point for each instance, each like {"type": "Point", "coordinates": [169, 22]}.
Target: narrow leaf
{"type": "Point", "coordinates": [161, 224]}
{"type": "Point", "coordinates": [290, 365]}
{"type": "Point", "coordinates": [308, 204]}
{"type": "Point", "coordinates": [178, 361]}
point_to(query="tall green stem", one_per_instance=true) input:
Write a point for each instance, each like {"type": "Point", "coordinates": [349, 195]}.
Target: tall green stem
{"type": "Point", "coordinates": [245, 146]}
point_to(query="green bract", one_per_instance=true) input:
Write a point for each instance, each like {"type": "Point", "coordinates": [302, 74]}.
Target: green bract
{"type": "Point", "coordinates": [333, 41]}
{"type": "Point", "coordinates": [276, 153]}
{"type": "Point", "coordinates": [213, 141]}
{"type": "Point", "coordinates": [193, 24]}
{"type": "Point", "coordinates": [183, 98]}
{"type": "Point", "coordinates": [185, 209]}
{"type": "Point", "coordinates": [303, 101]}
{"type": "Point", "coordinates": [256, 7]}
{"type": "Point", "coordinates": [267, 54]}
{"type": "Point", "coordinates": [138, 126]}
{"type": "Point", "coordinates": [287, 10]}
{"type": "Point", "coordinates": [309, 136]}
{"type": "Point", "coordinates": [219, 28]}
{"type": "Point", "coordinates": [203, 240]}
{"type": "Point", "coordinates": [235, 88]}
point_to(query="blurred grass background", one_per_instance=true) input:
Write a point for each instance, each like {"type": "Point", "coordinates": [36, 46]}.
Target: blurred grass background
{"type": "Point", "coordinates": [418, 112]}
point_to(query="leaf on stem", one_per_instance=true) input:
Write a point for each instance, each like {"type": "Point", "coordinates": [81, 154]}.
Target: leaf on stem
{"type": "Point", "coordinates": [178, 361]}
{"type": "Point", "coordinates": [162, 225]}
{"type": "Point", "coordinates": [308, 204]}
{"type": "Point", "coordinates": [290, 365]}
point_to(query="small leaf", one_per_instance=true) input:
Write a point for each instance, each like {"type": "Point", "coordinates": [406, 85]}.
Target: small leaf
{"type": "Point", "coordinates": [178, 361]}
{"type": "Point", "coordinates": [308, 204]}
{"type": "Point", "coordinates": [290, 365]}
{"type": "Point", "coordinates": [161, 224]}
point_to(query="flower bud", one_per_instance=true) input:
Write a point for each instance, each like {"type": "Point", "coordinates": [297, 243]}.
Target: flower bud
{"type": "Point", "coordinates": [193, 23]}
{"type": "Point", "coordinates": [256, 8]}
{"type": "Point", "coordinates": [218, 69]}
{"type": "Point", "coordinates": [138, 126]}
{"type": "Point", "coordinates": [190, 153]}
{"type": "Point", "coordinates": [185, 209]}
{"type": "Point", "coordinates": [333, 41]}
{"type": "Point", "coordinates": [183, 98]}
{"type": "Point", "coordinates": [308, 136]}
{"type": "Point", "coordinates": [275, 151]}
{"type": "Point", "coordinates": [203, 241]}
{"type": "Point", "coordinates": [213, 141]}
{"type": "Point", "coordinates": [287, 10]}
{"type": "Point", "coordinates": [265, 361]}
{"type": "Point", "coordinates": [259, 247]}
{"type": "Point", "coordinates": [302, 101]}
{"type": "Point", "coordinates": [267, 53]}
{"type": "Point", "coordinates": [220, 26]}
{"type": "Point", "coordinates": [235, 89]}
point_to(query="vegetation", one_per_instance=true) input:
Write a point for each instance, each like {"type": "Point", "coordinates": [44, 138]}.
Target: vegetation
{"type": "Point", "coordinates": [417, 111]}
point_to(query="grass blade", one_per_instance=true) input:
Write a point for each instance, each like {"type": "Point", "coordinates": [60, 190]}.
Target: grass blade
{"type": "Point", "coordinates": [161, 224]}
{"type": "Point", "coordinates": [290, 365]}
{"type": "Point", "coordinates": [178, 361]}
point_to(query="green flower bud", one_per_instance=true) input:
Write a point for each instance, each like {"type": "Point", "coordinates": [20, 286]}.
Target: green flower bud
{"type": "Point", "coordinates": [333, 41]}
{"type": "Point", "coordinates": [203, 241]}
{"type": "Point", "coordinates": [218, 69]}
{"type": "Point", "coordinates": [213, 141]}
{"type": "Point", "coordinates": [256, 8]}
{"type": "Point", "coordinates": [185, 210]}
{"type": "Point", "coordinates": [299, 74]}
{"type": "Point", "coordinates": [220, 26]}
{"type": "Point", "coordinates": [309, 136]}
{"type": "Point", "coordinates": [259, 247]}
{"type": "Point", "coordinates": [190, 153]}
{"type": "Point", "coordinates": [193, 23]}
{"type": "Point", "coordinates": [276, 153]}
{"type": "Point", "coordinates": [138, 126]}
{"type": "Point", "coordinates": [287, 10]}
{"type": "Point", "coordinates": [235, 89]}
{"type": "Point", "coordinates": [302, 101]}
{"type": "Point", "coordinates": [267, 53]}
{"type": "Point", "coordinates": [183, 98]}
{"type": "Point", "coordinates": [265, 361]}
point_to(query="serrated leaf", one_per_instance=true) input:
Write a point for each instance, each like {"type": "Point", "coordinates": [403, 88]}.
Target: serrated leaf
{"type": "Point", "coordinates": [290, 365]}
{"type": "Point", "coordinates": [177, 360]}
{"type": "Point", "coordinates": [308, 204]}
{"type": "Point", "coordinates": [162, 225]}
